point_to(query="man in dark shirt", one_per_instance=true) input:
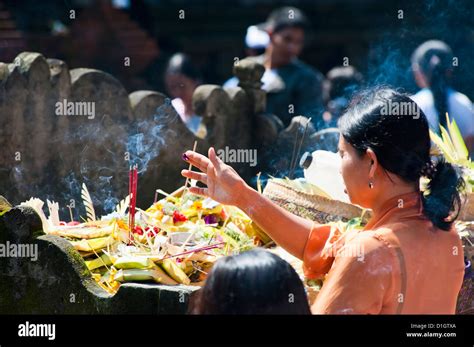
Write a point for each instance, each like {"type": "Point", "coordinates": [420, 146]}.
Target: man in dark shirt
{"type": "Point", "coordinates": [293, 87]}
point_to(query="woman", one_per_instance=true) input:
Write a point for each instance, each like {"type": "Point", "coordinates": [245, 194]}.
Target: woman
{"type": "Point", "coordinates": [340, 83]}
{"type": "Point", "coordinates": [254, 282]}
{"type": "Point", "coordinates": [432, 65]}
{"type": "Point", "coordinates": [181, 79]}
{"type": "Point", "coordinates": [412, 257]}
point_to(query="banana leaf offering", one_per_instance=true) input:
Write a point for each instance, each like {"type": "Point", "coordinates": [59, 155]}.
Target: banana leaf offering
{"type": "Point", "coordinates": [175, 241]}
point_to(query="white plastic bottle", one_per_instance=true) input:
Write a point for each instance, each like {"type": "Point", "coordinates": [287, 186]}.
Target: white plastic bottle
{"type": "Point", "coordinates": [322, 168]}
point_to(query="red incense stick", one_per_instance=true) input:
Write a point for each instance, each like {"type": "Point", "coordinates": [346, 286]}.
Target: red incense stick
{"type": "Point", "coordinates": [134, 192]}
{"type": "Point", "coordinates": [130, 184]}
{"type": "Point", "coordinates": [132, 189]}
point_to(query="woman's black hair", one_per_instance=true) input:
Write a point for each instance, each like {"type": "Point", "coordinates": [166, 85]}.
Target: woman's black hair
{"type": "Point", "coordinates": [254, 282]}
{"type": "Point", "coordinates": [434, 60]}
{"type": "Point", "coordinates": [395, 128]}
{"type": "Point", "coordinates": [180, 63]}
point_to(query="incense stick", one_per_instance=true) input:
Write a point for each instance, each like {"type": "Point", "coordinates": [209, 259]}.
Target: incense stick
{"type": "Point", "coordinates": [259, 184]}
{"type": "Point", "coordinates": [299, 148]}
{"type": "Point", "coordinates": [70, 212]}
{"type": "Point", "coordinates": [194, 250]}
{"type": "Point", "coordinates": [162, 192]}
{"type": "Point", "coordinates": [190, 166]}
{"type": "Point", "coordinates": [134, 192]}
{"type": "Point", "coordinates": [294, 151]}
{"type": "Point", "coordinates": [133, 178]}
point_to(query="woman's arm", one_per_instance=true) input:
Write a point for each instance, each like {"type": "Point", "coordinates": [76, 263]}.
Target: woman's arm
{"type": "Point", "coordinates": [226, 186]}
{"type": "Point", "coordinates": [288, 230]}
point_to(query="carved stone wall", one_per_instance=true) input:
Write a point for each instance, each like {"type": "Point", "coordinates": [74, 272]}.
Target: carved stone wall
{"type": "Point", "coordinates": [47, 152]}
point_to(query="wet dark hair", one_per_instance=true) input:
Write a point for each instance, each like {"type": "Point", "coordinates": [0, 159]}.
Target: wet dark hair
{"type": "Point", "coordinates": [434, 60]}
{"type": "Point", "coordinates": [280, 19]}
{"type": "Point", "coordinates": [180, 63]}
{"type": "Point", "coordinates": [341, 81]}
{"type": "Point", "coordinates": [401, 142]}
{"type": "Point", "coordinates": [254, 282]}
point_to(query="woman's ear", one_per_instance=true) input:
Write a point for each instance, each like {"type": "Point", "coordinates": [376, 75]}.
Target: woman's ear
{"type": "Point", "coordinates": [373, 163]}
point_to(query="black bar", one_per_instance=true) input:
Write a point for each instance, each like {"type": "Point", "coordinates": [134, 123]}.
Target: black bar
{"type": "Point", "coordinates": [314, 330]}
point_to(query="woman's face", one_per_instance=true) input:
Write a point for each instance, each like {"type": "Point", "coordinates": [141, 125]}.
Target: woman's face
{"type": "Point", "coordinates": [180, 86]}
{"type": "Point", "coordinates": [287, 44]}
{"type": "Point", "coordinates": [355, 171]}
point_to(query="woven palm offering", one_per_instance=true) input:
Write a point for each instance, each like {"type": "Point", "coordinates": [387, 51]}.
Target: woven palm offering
{"type": "Point", "coordinates": [308, 201]}
{"type": "Point", "coordinates": [176, 240]}
{"type": "Point", "coordinates": [467, 210]}
{"type": "Point", "coordinates": [451, 147]}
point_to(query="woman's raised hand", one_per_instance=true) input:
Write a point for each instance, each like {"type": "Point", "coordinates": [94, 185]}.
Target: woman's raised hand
{"type": "Point", "coordinates": [223, 183]}
{"type": "Point", "coordinates": [227, 187]}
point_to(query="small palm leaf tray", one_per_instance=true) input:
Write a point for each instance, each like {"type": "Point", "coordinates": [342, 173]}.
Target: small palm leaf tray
{"type": "Point", "coordinates": [310, 205]}
{"type": "Point", "coordinates": [467, 209]}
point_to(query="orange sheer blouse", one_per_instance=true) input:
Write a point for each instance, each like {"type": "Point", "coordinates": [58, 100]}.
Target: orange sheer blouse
{"type": "Point", "coordinates": [399, 263]}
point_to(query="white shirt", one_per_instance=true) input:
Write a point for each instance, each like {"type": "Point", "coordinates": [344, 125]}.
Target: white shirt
{"type": "Point", "coordinates": [193, 123]}
{"type": "Point", "coordinates": [459, 108]}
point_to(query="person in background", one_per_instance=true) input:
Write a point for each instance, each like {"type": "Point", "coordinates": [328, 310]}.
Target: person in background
{"type": "Point", "coordinates": [256, 41]}
{"type": "Point", "coordinates": [293, 87]}
{"type": "Point", "coordinates": [181, 79]}
{"type": "Point", "coordinates": [432, 64]}
{"type": "Point", "coordinates": [340, 83]}
{"type": "Point", "coordinates": [253, 282]}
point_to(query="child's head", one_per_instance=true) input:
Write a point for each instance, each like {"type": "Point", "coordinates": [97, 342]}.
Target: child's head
{"type": "Point", "coordinates": [254, 282]}
{"type": "Point", "coordinates": [340, 84]}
